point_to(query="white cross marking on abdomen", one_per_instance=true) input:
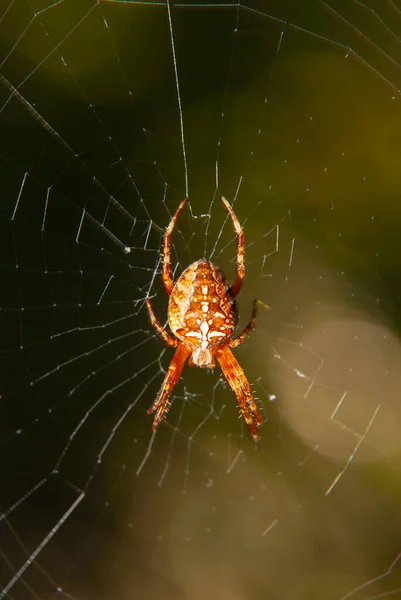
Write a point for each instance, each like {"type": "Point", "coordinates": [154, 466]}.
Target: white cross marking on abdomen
{"type": "Point", "coordinates": [216, 334]}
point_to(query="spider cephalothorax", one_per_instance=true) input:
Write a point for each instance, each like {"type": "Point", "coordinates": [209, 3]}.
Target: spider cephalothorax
{"type": "Point", "coordinates": [202, 314]}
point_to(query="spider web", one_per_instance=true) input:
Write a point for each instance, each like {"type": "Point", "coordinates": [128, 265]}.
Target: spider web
{"type": "Point", "coordinates": [111, 113]}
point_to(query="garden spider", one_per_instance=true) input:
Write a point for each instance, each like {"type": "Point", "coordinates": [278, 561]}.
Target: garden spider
{"type": "Point", "coordinates": [202, 314]}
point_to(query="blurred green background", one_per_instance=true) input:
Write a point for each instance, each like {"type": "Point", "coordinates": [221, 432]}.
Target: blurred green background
{"type": "Point", "coordinates": [292, 111]}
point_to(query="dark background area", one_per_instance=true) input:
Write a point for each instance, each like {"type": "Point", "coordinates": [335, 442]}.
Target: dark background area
{"type": "Point", "coordinates": [292, 111]}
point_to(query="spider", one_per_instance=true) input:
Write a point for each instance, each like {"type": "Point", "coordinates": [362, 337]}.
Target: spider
{"type": "Point", "coordinates": [202, 314]}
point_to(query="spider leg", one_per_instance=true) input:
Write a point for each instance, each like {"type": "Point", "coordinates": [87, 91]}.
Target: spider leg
{"type": "Point", "coordinates": [159, 328]}
{"type": "Point", "coordinates": [235, 288]}
{"type": "Point", "coordinates": [248, 328]}
{"type": "Point", "coordinates": [162, 403]}
{"type": "Point", "coordinates": [166, 272]}
{"type": "Point", "coordinates": [238, 382]}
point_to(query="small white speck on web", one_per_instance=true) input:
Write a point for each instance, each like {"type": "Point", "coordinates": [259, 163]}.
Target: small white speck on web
{"type": "Point", "coordinates": [339, 405]}
{"type": "Point", "coordinates": [269, 527]}
{"type": "Point", "coordinates": [234, 462]}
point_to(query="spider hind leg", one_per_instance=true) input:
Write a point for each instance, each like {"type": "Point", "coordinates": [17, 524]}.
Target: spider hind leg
{"type": "Point", "coordinates": [162, 402]}
{"type": "Point", "coordinates": [239, 384]}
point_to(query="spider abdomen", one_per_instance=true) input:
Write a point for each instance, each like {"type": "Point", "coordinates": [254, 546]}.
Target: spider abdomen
{"type": "Point", "coordinates": [202, 312]}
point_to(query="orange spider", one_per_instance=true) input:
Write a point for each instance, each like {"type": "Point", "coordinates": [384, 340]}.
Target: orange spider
{"type": "Point", "coordinates": [202, 314]}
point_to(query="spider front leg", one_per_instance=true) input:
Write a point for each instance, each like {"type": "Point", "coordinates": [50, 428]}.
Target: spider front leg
{"type": "Point", "coordinates": [239, 384]}
{"type": "Point", "coordinates": [162, 404]}
{"type": "Point", "coordinates": [166, 272]}
{"type": "Point", "coordinates": [159, 328]}
{"type": "Point", "coordinates": [235, 288]}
